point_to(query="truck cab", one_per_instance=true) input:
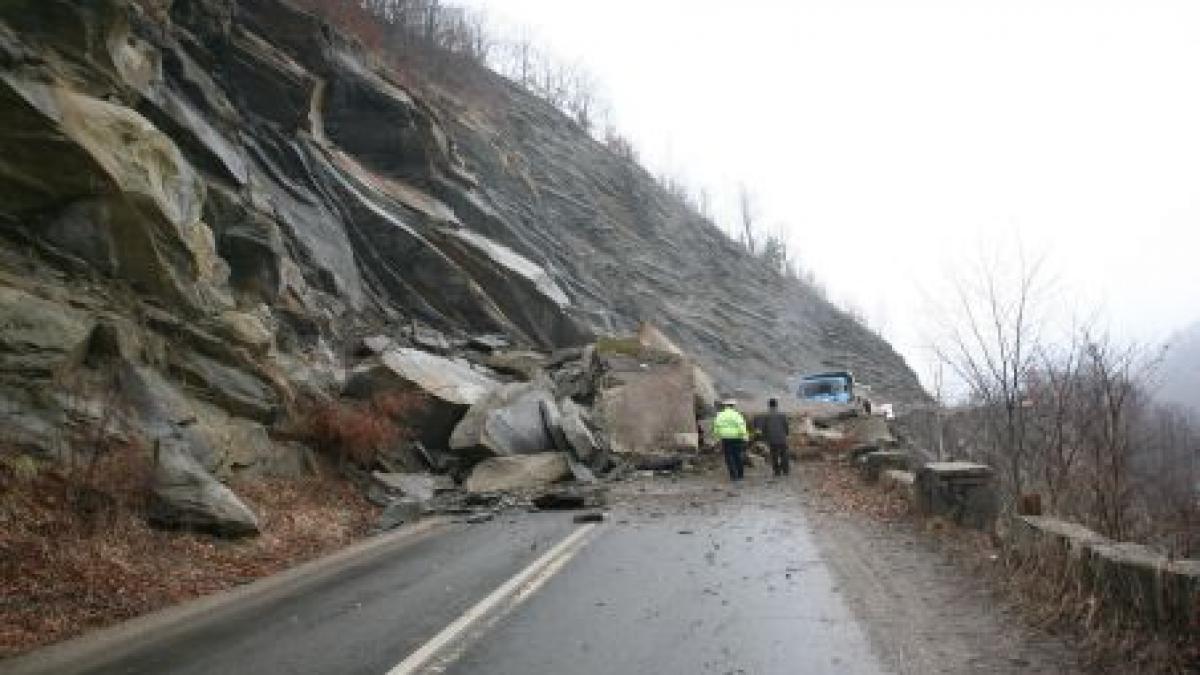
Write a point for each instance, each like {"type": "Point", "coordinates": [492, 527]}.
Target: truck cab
{"type": "Point", "coordinates": [831, 387]}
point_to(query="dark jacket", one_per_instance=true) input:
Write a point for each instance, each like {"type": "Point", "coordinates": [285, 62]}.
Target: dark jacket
{"type": "Point", "coordinates": [775, 428]}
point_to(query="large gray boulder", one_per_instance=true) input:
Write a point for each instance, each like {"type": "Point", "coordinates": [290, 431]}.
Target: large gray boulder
{"type": "Point", "coordinates": [520, 472]}
{"type": "Point", "coordinates": [508, 421]}
{"type": "Point", "coordinates": [185, 496]}
{"type": "Point", "coordinates": [650, 408]}
{"type": "Point", "coordinates": [449, 388]}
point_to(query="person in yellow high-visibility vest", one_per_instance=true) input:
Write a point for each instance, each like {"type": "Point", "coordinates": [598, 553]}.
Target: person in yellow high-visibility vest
{"type": "Point", "coordinates": [729, 428]}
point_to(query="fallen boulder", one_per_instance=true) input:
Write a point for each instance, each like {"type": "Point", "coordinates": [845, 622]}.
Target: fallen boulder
{"type": "Point", "coordinates": [450, 388]}
{"type": "Point", "coordinates": [418, 486]}
{"type": "Point", "coordinates": [870, 430]}
{"type": "Point", "coordinates": [508, 421]}
{"type": "Point", "coordinates": [872, 464]}
{"type": "Point", "coordinates": [185, 496]}
{"type": "Point", "coordinates": [704, 390]}
{"type": "Point", "coordinates": [399, 512]}
{"type": "Point", "coordinates": [498, 474]}
{"type": "Point", "coordinates": [650, 408]}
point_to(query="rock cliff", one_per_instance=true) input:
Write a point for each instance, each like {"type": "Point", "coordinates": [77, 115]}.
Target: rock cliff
{"type": "Point", "coordinates": [220, 196]}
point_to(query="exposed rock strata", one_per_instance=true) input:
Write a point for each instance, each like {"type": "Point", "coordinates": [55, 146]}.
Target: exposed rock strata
{"type": "Point", "coordinates": [231, 194]}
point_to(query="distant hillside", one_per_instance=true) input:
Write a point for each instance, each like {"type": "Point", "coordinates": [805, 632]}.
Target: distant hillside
{"type": "Point", "coordinates": [1181, 369]}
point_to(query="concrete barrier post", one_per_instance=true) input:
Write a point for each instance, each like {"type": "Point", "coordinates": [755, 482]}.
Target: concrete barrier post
{"type": "Point", "coordinates": [964, 492]}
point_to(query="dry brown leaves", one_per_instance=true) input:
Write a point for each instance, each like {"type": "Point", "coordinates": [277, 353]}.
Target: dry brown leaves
{"type": "Point", "coordinates": [61, 574]}
{"type": "Point", "coordinates": [840, 487]}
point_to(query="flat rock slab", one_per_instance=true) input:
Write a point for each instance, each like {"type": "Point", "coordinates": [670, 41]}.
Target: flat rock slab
{"type": "Point", "coordinates": [518, 472]}
{"type": "Point", "coordinates": [959, 469]}
{"type": "Point", "coordinates": [450, 387]}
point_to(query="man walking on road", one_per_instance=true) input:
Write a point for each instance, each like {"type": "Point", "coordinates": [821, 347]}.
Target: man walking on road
{"type": "Point", "coordinates": [729, 428]}
{"type": "Point", "coordinates": [775, 433]}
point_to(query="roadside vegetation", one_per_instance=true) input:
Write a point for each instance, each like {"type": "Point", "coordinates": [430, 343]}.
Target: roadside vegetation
{"type": "Point", "coordinates": [1064, 409]}
{"type": "Point", "coordinates": [1066, 412]}
{"type": "Point", "coordinates": [355, 432]}
{"type": "Point", "coordinates": [1036, 589]}
{"type": "Point", "coordinates": [72, 565]}
{"type": "Point", "coordinates": [78, 552]}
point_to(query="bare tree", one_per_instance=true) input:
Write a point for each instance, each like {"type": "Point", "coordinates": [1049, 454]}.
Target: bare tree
{"type": "Point", "coordinates": [1054, 392]}
{"type": "Point", "coordinates": [938, 382]}
{"type": "Point", "coordinates": [619, 144]}
{"type": "Point", "coordinates": [1112, 400]}
{"type": "Point", "coordinates": [989, 342]}
{"type": "Point", "coordinates": [747, 218]}
{"type": "Point", "coordinates": [704, 203]}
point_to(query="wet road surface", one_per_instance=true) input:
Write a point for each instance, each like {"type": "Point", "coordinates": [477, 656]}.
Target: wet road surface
{"type": "Point", "coordinates": [742, 591]}
{"type": "Point", "coordinates": [687, 575]}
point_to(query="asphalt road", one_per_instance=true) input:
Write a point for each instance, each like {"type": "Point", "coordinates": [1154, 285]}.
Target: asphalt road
{"type": "Point", "coordinates": [365, 619]}
{"type": "Point", "coordinates": [667, 586]}
{"type": "Point", "coordinates": [742, 591]}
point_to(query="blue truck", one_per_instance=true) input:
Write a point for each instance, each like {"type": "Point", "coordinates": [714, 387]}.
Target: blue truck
{"type": "Point", "coordinates": [832, 387]}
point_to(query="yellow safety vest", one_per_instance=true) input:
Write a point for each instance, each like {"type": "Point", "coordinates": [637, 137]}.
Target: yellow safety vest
{"type": "Point", "coordinates": [729, 423]}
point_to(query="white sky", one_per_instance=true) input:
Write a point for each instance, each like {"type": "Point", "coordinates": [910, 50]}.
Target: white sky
{"type": "Point", "coordinates": [893, 137]}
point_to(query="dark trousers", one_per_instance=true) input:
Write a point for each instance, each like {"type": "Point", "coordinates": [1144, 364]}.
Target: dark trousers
{"type": "Point", "coordinates": [734, 449]}
{"type": "Point", "coordinates": [779, 459]}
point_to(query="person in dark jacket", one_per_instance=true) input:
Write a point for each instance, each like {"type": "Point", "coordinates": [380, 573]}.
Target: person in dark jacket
{"type": "Point", "coordinates": [775, 433]}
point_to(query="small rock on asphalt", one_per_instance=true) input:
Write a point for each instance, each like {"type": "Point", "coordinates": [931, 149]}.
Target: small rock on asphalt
{"type": "Point", "coordinates": [589, 518]}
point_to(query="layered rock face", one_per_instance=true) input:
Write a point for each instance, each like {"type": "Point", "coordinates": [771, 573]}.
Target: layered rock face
{"type": "Point", "coordinates": [628, 252]}
{"type": "Point", "coordinates": [218, 196]}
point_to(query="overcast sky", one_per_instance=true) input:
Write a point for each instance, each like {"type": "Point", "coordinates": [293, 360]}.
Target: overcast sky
{"type": "Point", "coordinates": [891, 138]}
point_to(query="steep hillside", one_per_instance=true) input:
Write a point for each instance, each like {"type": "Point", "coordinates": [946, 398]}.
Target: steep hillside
{"type": "Point", "coordinates": [220, 196]}
{"type": "Point", "coordinates": [1180, 369]}
{"type": "Point", "coordinates": [627, 251]}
